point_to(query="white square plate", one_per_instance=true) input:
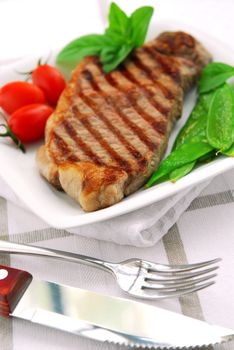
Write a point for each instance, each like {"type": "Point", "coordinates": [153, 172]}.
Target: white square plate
{"type": "Point", "coordinates": [20, 172]}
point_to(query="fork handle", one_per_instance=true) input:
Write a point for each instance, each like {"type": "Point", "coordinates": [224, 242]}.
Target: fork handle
{"type": "Point", "coordinates": [23, 249]}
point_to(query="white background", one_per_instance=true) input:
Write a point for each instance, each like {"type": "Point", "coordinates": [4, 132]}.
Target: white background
{"type": "Point", "coordinates": [31, 27]}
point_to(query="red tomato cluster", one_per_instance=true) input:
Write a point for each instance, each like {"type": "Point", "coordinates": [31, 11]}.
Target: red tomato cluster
{"type": "Point", "coordinates": [30, 104]}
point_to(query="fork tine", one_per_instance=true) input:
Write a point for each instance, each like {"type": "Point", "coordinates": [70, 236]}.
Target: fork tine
{"type": "Point", "coordinates": [167, 286]}
{"type": "Point", "coordinates": [177, 293]}
{"type": "Point", "coordinates": [182, 276]}
{"type": "Point", "coordinates": [181, 268]}
{"type": "Point", "coordinates": [178, 282]}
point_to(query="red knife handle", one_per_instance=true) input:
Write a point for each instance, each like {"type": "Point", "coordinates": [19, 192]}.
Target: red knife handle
{"type": "Point", "coordinates": [13, 284]}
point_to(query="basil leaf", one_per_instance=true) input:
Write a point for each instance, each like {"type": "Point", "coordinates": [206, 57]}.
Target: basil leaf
{"type": "Point", "coordinates": [116, 38]}
{"type": "Point", "coordinates": [214, 75]}
{"type": "Point", "coordinates": [139, 24]}
{"type": "Point", "coordinates": [109, 65]}
{"type": "Point", "coordinates": [108, 54]}
{"type": "Point", "coordinates": [119, 39]}
{"type": "Point", "coordinates": [220, 122]}
{"type": "Point", "coordinates": [84, 46]}
{"type": "Point", "coordinates": [118, 20]}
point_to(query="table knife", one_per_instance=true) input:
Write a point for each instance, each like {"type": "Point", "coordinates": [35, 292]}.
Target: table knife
{"type": "Point", "coordinates": [101, 317]}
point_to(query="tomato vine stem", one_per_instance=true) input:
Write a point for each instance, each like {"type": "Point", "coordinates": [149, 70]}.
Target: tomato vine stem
{"type": "Point", "coordinates": [9, 133]}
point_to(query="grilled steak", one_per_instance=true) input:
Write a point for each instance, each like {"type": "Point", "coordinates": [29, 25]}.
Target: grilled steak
{"type": "Point", "coordinates": [109, 131]}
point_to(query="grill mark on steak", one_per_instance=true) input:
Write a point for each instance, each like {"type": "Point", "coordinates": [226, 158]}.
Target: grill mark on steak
{"type": "Point", "coordinates": [145, 90]}
{"type": "Point", "coordinates": [81, 143]}
{"type": "Point", "coordinates": [154, 66]}
{"type": "Point", "coordinates": [134, 127]}
{"type": "Point", "coordinates": [156, 124]}
{"type": "Point", "coordinates": [89, 76]}
{"type": "Point", "coordinates": [135, 86]}
{"type": "Point", "coordinates": [63, 149]}
{"type": "Point", "coordinates": [91, 103]}
{"type": "Point", "coordinates": [168, 64]}
{"type": "Point", "coordinates": [142, 66]}
{"type": "Point", "coordinates": [98, 136]}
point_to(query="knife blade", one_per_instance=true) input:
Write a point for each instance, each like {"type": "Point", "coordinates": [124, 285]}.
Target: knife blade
{"type": "Point", "coordinates": [101, 317]}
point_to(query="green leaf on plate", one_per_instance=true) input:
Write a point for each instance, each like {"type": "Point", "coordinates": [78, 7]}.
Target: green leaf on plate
{"type": "Point", "coordinates": [214, 75]}
{"type": "Point", "coordinates": [220, 122]}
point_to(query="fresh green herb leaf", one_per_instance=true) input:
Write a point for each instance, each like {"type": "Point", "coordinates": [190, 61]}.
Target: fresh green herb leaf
{"type": "Point", "coordinates": [84, 46]}
{"type": "Point", "coordinates": [220, 122]}
{"type": "Point", "coordinates": [214, 75]}
{"type": "Point", "coordinates": [140, 20]}
{"type": "Point", "coordinates": [120, 38]}
{"type": "Point", "coordinates": [118, 20]}
{"type": "Point", "coordinates": [110, 64]}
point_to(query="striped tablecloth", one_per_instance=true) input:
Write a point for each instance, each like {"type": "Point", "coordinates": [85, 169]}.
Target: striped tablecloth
{"type": "Point", "coordinates": [204, 231]}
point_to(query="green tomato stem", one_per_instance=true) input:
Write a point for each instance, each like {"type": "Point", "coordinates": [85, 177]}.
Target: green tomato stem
{"type": "Point", "coordinates": [9, 133]}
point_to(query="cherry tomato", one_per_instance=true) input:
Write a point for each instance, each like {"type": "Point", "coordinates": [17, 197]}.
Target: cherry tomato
{"type": "Point", "coordinates": [17, 94]}
{"type": "Point", "coordinates": [50, 80]}
{"type": "Point", "coordinates": [28, 123]}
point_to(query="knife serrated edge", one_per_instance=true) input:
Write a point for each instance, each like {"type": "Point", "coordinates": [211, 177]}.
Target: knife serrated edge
{"type": "Point", "coordinates": [141, 346]}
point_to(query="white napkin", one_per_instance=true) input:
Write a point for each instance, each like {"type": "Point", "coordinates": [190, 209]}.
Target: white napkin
{"type": "Point", "coordinates": [141, 228]}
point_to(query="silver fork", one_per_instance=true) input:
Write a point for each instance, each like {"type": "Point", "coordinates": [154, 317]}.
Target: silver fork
{"type": "Point", "coordinates": [137, 277]}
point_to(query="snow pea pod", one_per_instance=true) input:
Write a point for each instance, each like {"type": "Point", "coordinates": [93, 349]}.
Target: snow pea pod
{"type": "Point", "coordinates": [187, 168]}
{"type": "Point", "coordinates": [230, 151]}
{"type": "Point", "coordinates": [189, 151]}
{"type": "Point", "coordinates": [195, 125]}
{"type": "Point", "coordinates": [196, 121]}
{"type": "Point", "coordinates": [220, 121]}
{"type": "Point", "coordinates": [182, 171]}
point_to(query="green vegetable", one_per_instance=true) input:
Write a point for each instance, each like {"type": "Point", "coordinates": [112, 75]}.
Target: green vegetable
{"type": "Point", "coordinates": [139, 23]}
{"type": "Point", "coordinates": [189, 151]}
{"type": "Point", "coordinates": [195, 125]}
{"type": "Point", "coordinates": [182, 171]}
{"type": "Point", "coordinates": [230, 151]}
{"type": "Point", "coordinates": [117, 58]}
{"type": "Point", "coordinates": [120, 38]}
{"type": "Point", "coordinates": [220, 122]}
{"type": "Point", "coordinates": [118, 20]}
{"type": "Point", "coordinates": [207, 157]}
{"type": "Point", "coordinates": [197, 120]}
{"type": "Point", "coordinates": [214, 75]}
{"type": "Point", "coordinates": [86, 45]}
